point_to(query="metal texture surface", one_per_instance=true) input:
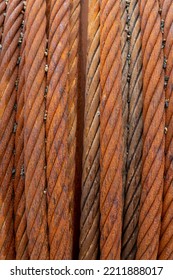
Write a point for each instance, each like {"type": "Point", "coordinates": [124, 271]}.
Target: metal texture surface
{"type": "Point", "coordinates": [89, 223]}
{"type": "Point", "coordinates": [166, 239]}
{"type": "Point", "coordinates": [153, 133]}
{"type": "Point", "coordinates": [56, 131]}
{"type": "Point", "coordinates": [21, 239]}
{"type": "Point", "coordinates": [134, 125]}
{"type": "Point", "coordinates": [8, 75]}
{"type": "Point", "coordinates": [72, 103]}
{"type": "Point", "coordinates": [34, 129]}
{"type": "Point", "coordinates": [111, 126]}
{"type": "Point", "coordinates": [2, 16]}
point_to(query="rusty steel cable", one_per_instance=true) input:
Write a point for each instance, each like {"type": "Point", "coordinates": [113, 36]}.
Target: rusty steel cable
{"type": "Point", "coordinates": [8, 76]}
{"type": "Point", "coordinates": [134, 138]}
{"type": "Point", "coordinates": [21, 239]}
{"type": "Point", "coordinates": [111, 126]}
{"type": "Point", "coordinates": [56, 131]}
{"type": "Point", "coordinates": [3, 5]}
{"type": "Point", "coordinates": [34, 129]}
{"type": "Point", "coordinates": [153, 132]}
{"type": "Point", "coordinates": [89, 224]}
{"type": "Point", "coordinates": [72, 101]}
{"type": "Point", "coordinates": [166, 238]}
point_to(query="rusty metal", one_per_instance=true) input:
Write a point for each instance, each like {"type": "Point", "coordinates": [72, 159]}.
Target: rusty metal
{"type": "Point", "coordinates": [72, 103]}
{"type": "Point", "coordinates": [34, 129]}
{"type": "Point", "coordinates": [3, 6]}
{"type": "Point", "coordinates": [133, 127]}
{"type": "Point", "coordinates": [56, 131]}
{"type": "Point", "coordinates": [89, 224]}
{"type": "Point", "coordinates": [153, 133]}
{"type": "Point", "coordinates": [166, 238]}
{"type": "Point", "coordinates": [21, 239]}
{"type": "Point", "coordinates": [111, 126]}
{"type": "Point", "coordinates": [8, 75]}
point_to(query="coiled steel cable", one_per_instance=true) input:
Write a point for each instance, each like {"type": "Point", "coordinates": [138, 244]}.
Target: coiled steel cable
{"type": "Point", "coordinates": [153, 133]}
{"type": "Point", "coordinates": [111, 130]}
{"type": "Point", "coordinates": [34, 129]}
{"type": "Point", "coordinates": [134, 139]}
{"type": "Point", "coordinates": [166, 240]}
{"type": "Point", "coordinates": [89, 224]}
{"type": "Point", "coordinates": [56, 131]}
{"type": "Point", "coordinates": [3, 5]}
{"type": "Point", "coordinates": [8, 75]}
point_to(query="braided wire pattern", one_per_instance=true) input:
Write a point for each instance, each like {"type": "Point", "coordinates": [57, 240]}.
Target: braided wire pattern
{"type": "Point", "coordinates": [134, 142]}
{"type": "Point", "coordinates": [89, 224]}
{"type": "Point", "coordinates": [72, 101]}
{"type": "Point", "coordinates": [166, 239]}
{"type": "Point", "coordinates": [56, 131]}
{"type": "Point", "coordinates": [153, 132]}
{"type": "Point", "coordinates": [2, 16]}
{"type": "Point", "coordinates": [8, 75]}
{"type": "Point", "coordinates": [111, 147]}
{"type": "Point", "coordinates": [21, 239]}
{"type": "Point", "coordinates": [34, 129]}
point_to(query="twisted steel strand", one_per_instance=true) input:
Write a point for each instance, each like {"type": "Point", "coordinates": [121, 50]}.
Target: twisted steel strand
{"type": "Point", "coordinates": [21, 239]}
{"type": "Point", "coordinates": [153, 132]}
{"type": "Point", "coordinates": [2, 16]}
{"type": "Point", "coordinates": [72, 101]}
{"type": "Point", "coordinates": [8, 75]}
{"type": "Point", "coordinates": [34, 129]}
{"type": "Point", "coordinates": [166, 240]}
{"type": "Point", "coordinates": [56, 131]}
{"type": "Point", "coordinates": [134, 141]}
{"type": "Point", "coordinates": [89, 224]}
{"type": "Point", "coordinates": [110, 130]}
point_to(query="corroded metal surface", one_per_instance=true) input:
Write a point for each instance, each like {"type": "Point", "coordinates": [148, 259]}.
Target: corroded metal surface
{"type": "Point", "coordinates": [34, 131]}
{"type": "Point", "coordinates": [153, 133]}
{"type": "Point", "coordinates": [166, 240]}
{"type": "Point", "coordinates": [8, 75]}
{"type": "Point", "coordinates": [56, 131]}
{"type": "Point", "coordinates": [134, 126]}
{"type": "Point", "coordinates": [110, 130]}
{"type": "Point", "coordinates": [89, 224]}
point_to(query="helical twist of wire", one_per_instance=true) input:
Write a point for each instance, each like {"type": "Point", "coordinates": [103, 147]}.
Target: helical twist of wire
{"type": "Point", "coordinates": [89, 224]}
{"type": "Point", "coordinates": [21, 239]}
{"type": "Point", "coordinates": [72, 101]}
{"type": "Point", "coordinates": [166, 239]}
{"type": "Point", "coordinates": [2, 16]}
{"type": "Point", "coordinates": [34, 129]}
{"type": "Point", "coordinates": [56, 131]}
{"type": "Point", "coordinates": [8, 75]}
{"type": "Point", "coordinates": [111, 126]}
{"type": "Point", "coordinates": [153, 132]}
{"type": "Point", "coordinates": [134, 138]}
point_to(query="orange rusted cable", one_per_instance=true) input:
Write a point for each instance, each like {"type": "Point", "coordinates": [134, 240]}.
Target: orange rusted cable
{"type": "Point", "coordinates": [3, 5]}
{"type": "Point", "coordinates": [72, 101]}
{"type": "Point", "coordinates": [166, 240]}
{"type": "Point", "coordinates": [111, 130]}
{"type": "Point", "coordinates": [134, 136]}
{"type": "Point", "coordinates": [153, 133]}
{"type": "Point", "coordinates": [56, 131]}
{"type": "Point", "coordinates": [8, 75]}
{"type": "Point", "coordinates": [21, 239]}
{"type": "Point", "coordinates": [34, 129]}
{"type": "Point", "coordinates": [89, 224]}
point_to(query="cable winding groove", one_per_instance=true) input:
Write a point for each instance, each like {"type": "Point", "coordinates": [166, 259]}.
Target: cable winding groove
{"type": "Point", "coordinates": [89, 224]}
{"type": "Point", "coordinates": [2, 16]}
{"type": "Point", "coordinates": [134, 139]}
{"type": "Point", "coordinates": [72, 101]}
{"type": "Point", "coordinates": [34, 129]}
{"type": "Point", "coordinates": [166, 240]}
{"type": "Point", "coordinates": [56, 131]}
{"type": "Point", "coordinates": [153, 132]}
{"type": "Point", "coordinates": [8, 75]}
{"type": "Point", "coordinates": [21, 239]}
{"type": "Point", "coordinates": [111, 130]}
